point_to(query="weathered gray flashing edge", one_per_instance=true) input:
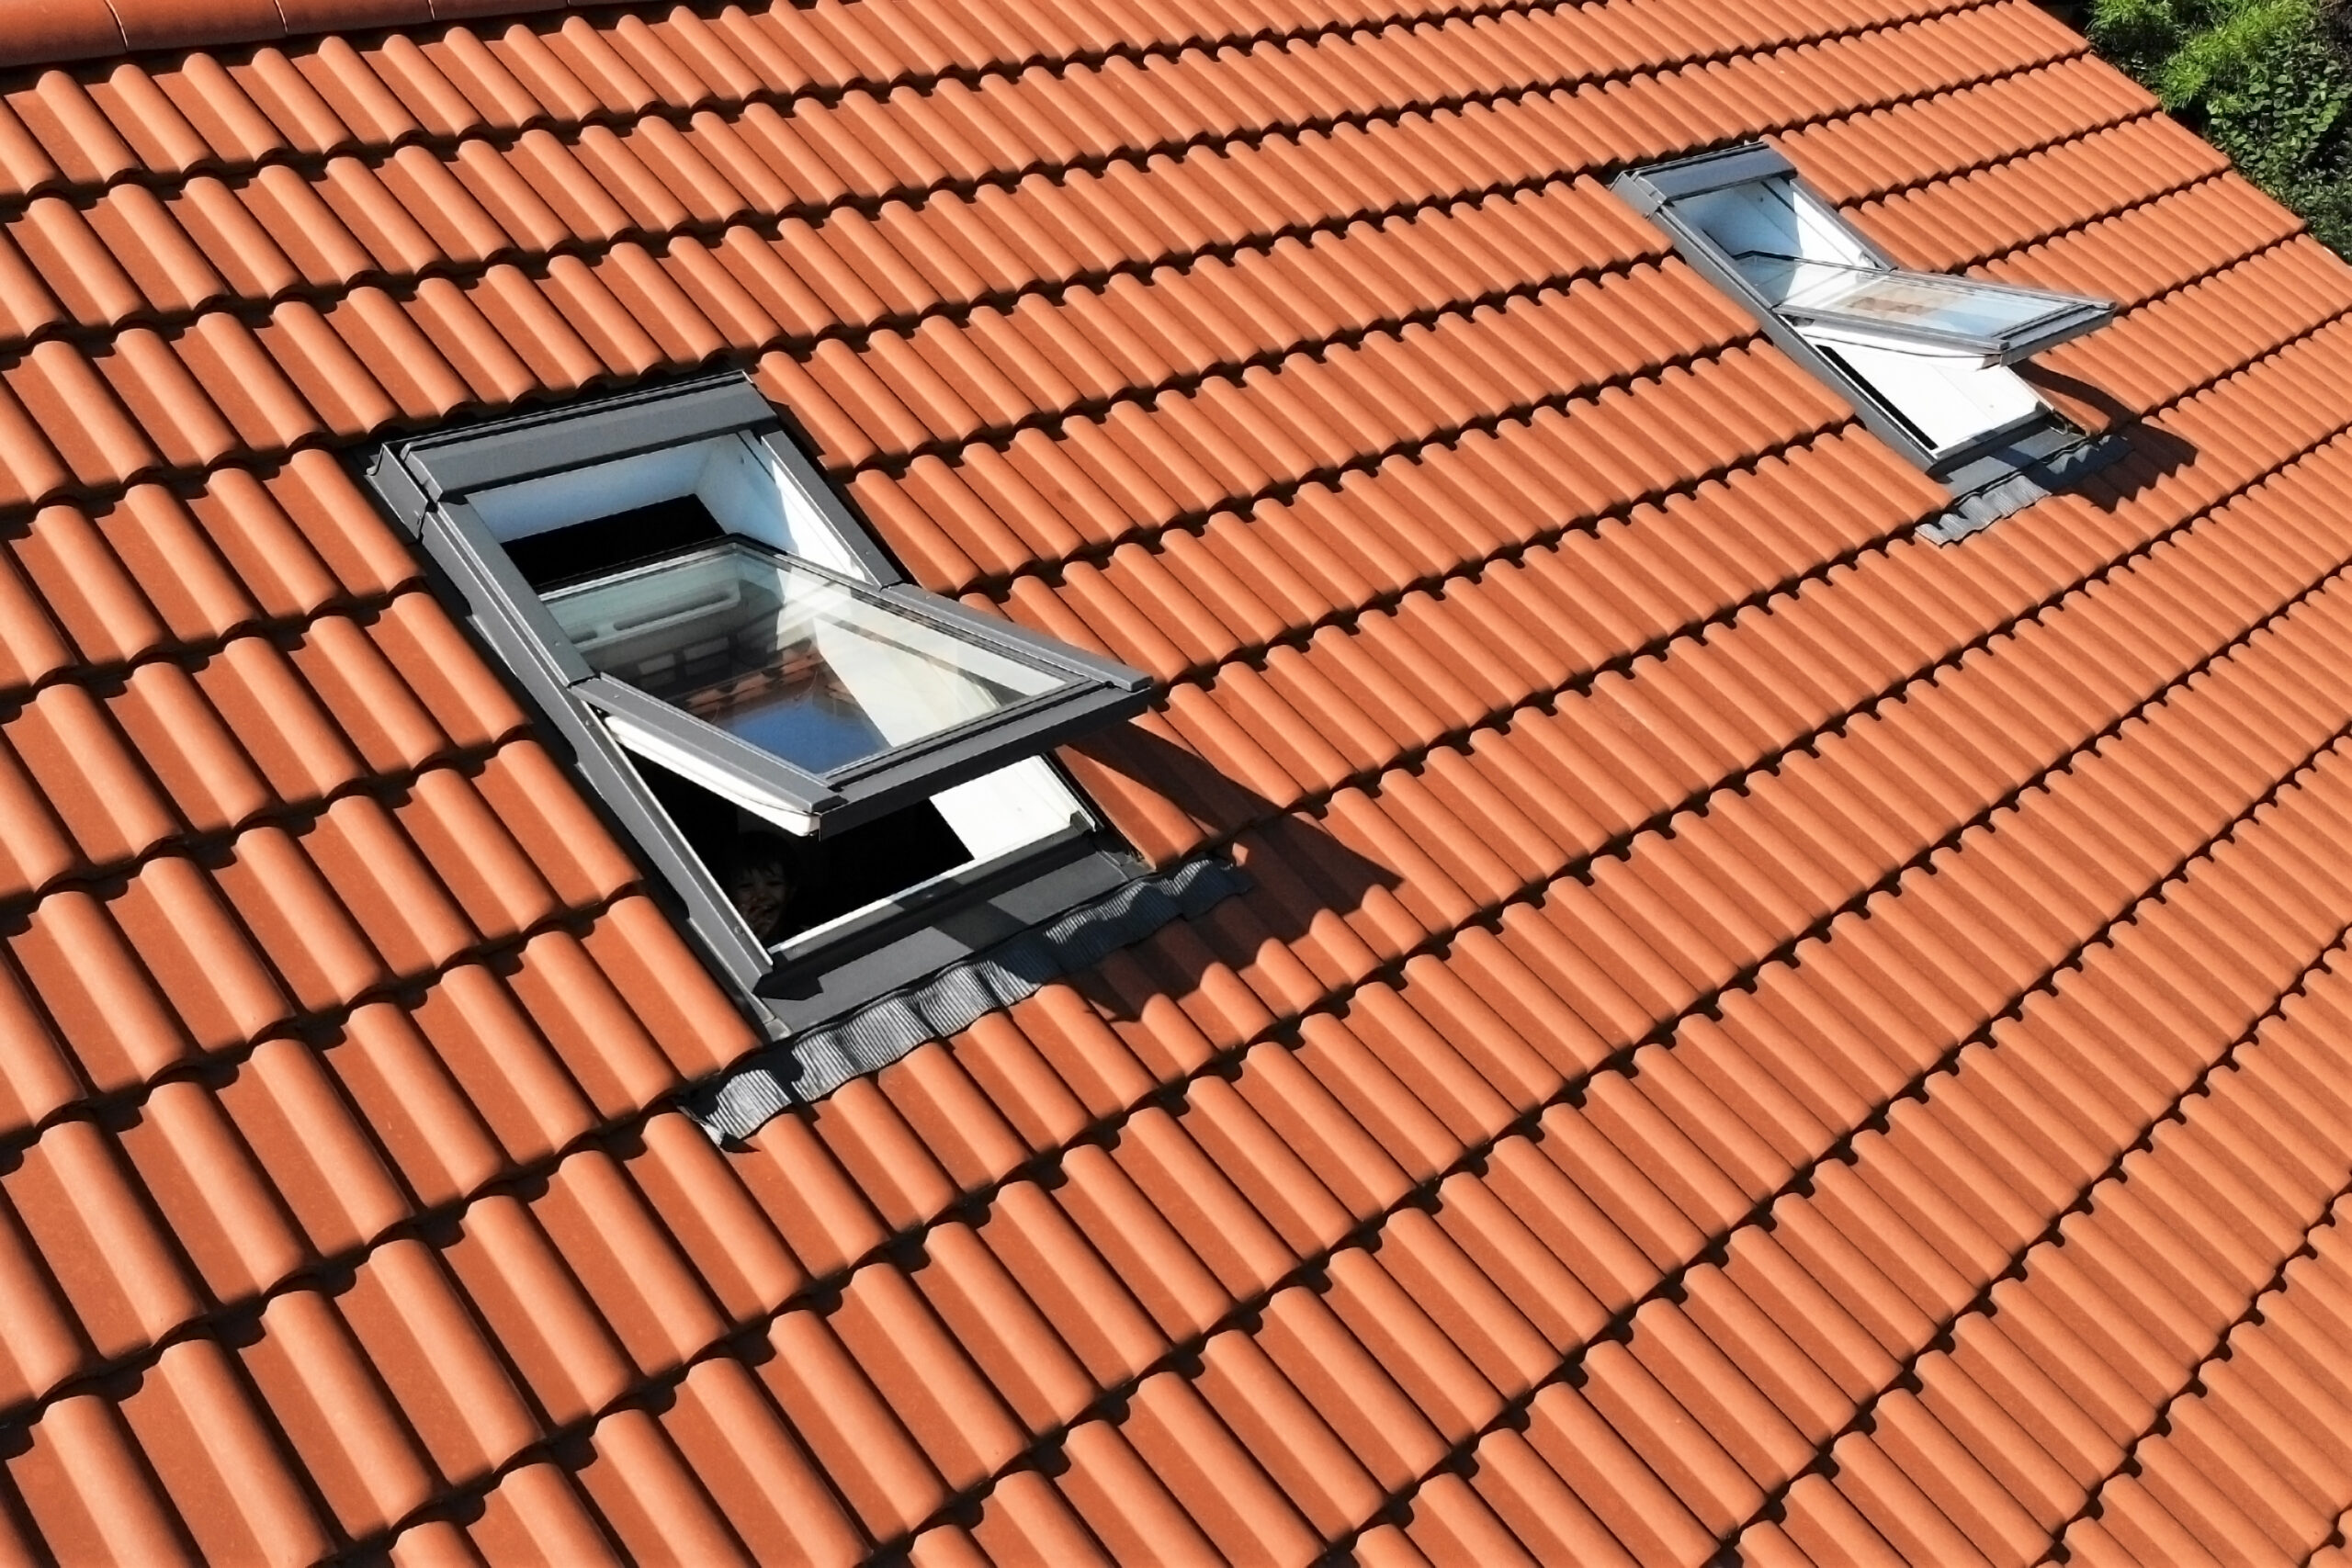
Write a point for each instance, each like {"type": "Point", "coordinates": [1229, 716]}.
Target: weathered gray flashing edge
{"type": "Point", "coordinates": [1655, 185]}
{"type": "Point", "coordinates": [1982, 508]}
{"type": "Point", "coordinates": [809, 1065]}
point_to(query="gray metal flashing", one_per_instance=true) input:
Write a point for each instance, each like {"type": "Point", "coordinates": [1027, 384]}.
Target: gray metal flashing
{"type": "Point", "coordinates": [811, 1064]}
{"type": "Point", "coordinates": [1653, 187]}
{"type": "Point", "coordinates": [2017, 490]}
{"type": "Point", "coordinates": [966, 912]}
{"type": "Point", "coordinates": [2017, 452]}
{"type": "Point", "coordinates": [507, 451]}
{"type": "Point", "coordinates": [400, 492]}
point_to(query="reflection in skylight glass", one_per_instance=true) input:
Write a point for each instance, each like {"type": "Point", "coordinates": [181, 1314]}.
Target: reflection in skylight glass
{"type": "Point", "coordinates": [1905, 304]}
{"type": "Point", "coordinates": [789, 659]}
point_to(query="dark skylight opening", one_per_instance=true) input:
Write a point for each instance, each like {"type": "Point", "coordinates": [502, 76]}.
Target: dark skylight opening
{"type": "Point", "coordinates": [785, 886]}
{"type": "Point", "coordinates": [585, 550]}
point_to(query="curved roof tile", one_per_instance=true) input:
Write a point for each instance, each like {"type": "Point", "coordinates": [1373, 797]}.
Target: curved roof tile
{"type": "Point", "coordinates": [1752, 1032]}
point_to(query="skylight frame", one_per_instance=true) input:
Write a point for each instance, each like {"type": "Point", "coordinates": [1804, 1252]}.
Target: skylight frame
{"type": "Point", "coordinates": [2022, 450]}
{"type": "Point", "coordinates": [430, 484]}
{"type": "Point", "coordinates": [445, 470]}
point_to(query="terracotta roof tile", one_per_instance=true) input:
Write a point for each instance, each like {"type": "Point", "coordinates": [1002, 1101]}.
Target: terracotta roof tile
{"type": "Point", "coordinates": [1674, 884]}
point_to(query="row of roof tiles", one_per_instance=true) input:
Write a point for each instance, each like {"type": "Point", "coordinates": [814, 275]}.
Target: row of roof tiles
{"type": "Point", "coordinates": [163, 569]}
{"type": "Point", "coordinates": [93, 438]}
{"type": "Point", "coordinates": [1230, 1240]}
{"type": "Point", "coordinates": [1385, 550]}
{"type": "Point", "coordinates": [713, 168]}
{"type": "Point", "coordinates": [1872, 155]}
{"type": "Point", "coordinates": [1190, 603]}
{"type": "Point", "coordinates": [118, 266]}
{"type": "Point", "coordinates": [1328, 1136]}
{"type": "Point", "coordinates": [775, 165]}
{"type": "Point", "coordinates": [805, 284]}
{"type": "Point", "coordinates": [2250, 1461]}
{"type": "Point", "coordinates": [1954, 224]}
{"type": "Point", "coordinates": [97, 781]}
{"type": "Point", "coordinates": [834, 45]}
{"type": "Point", "coordinates": [333, 98]}
{"type": "Point", "coordinates": [1798, 1016]}
{"type": "Point", "coordinates": [189, 958]}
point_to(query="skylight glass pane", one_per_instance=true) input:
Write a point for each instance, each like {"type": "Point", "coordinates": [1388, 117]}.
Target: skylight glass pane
{"type": "Point", "coordinates": [1919, 306]}
{"type": "Point", "coordinates": [789, 659]}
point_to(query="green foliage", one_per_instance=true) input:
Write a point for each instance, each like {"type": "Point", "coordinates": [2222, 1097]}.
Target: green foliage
{"type": "Point", "coordinates": [2269, 81]}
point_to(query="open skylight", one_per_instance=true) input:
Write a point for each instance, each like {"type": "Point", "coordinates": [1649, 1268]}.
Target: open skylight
{"type": "Point", "coordinates": [824, 759]}
{"type": "Point", "coordinates": [1926, 357]}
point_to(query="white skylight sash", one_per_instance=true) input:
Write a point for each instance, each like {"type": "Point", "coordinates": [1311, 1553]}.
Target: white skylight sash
{"type": "Point", "coordinates": [1950, 401]}
{"type": "Point", "coordinates": [1987, 323]}
{"type": "Point", "coordinates": [799, 662]}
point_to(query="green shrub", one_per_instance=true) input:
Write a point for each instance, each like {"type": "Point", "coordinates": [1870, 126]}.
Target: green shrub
{"type": "Point", "coordinates": [2269, 81]}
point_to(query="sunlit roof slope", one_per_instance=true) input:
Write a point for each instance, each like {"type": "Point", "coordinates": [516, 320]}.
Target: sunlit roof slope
{"type": "Point", "coordinates": [1751, 1031]}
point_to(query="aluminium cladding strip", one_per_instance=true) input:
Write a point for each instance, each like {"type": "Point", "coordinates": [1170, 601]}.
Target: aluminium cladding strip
{"type": "Point", "coordinates": [813, 1064]}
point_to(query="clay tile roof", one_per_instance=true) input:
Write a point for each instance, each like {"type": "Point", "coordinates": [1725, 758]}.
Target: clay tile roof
{"type": "Point", "coordinates": [1751, 1031]}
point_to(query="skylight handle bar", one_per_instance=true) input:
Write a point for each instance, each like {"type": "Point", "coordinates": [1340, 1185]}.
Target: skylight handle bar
{"type": "Point", "coordinates": [1839, 309]}
{"type": "Point", "coordinates": [2006, 350]}
{"type": "Point", "coordinates": [681, 734]}
{"type": "Point", "coordinates": [900, 778]}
